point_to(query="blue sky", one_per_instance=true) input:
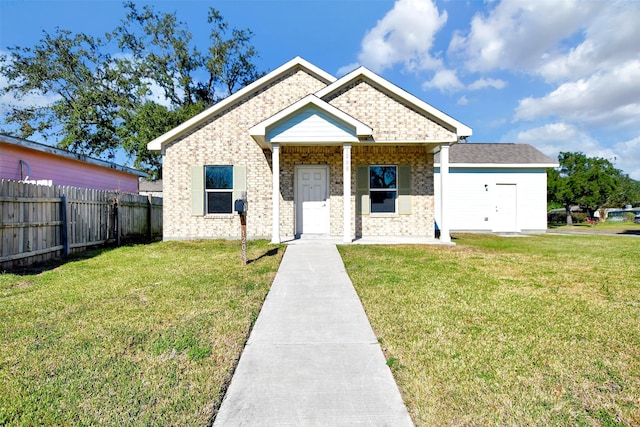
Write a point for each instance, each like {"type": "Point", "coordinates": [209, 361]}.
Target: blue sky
{"type": "Point", "coordinates": [562, 75]}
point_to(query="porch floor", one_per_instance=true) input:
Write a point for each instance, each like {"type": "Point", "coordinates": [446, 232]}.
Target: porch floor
{"type": "Point", "coordinates": [367, 240]}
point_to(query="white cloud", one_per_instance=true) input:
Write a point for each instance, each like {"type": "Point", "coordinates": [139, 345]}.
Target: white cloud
{"type": "Point", "coordinates": [553, 138]}
{"type": "Point", "coordinates": [521, 34]}
{"type": "Point", "coordinates": [447, 80]}
{"type": "Point", "coordinates": [609, 38]}
{"type": "Point", "coordinates": [628, 157]}
{"type": "Point", "coordinates": [31, 99]}
{"type": "Point", "coordinates": [605, 98]}
{"type": "Point", "coordinates": [585, 50]}
{"type": "Point", "coordinates": [482, 83]}
{"type": "Point", "coordinates": [573, 63]}
{"type": "Point", "coordinates": [444, 80]}
{"type": "Point", "coordinates": [404, 36]}
{"type": "Point", "coordinates": [588, 48]}
{"type": "Point", "coordinates": [346, 69]}
{"type": "Point", "coordinates": [156, 93]}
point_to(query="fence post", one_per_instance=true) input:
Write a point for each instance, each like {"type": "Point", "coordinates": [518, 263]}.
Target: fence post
{"type": "Point", "coordinates": [149, 218]}
{"type": "Point", "coordinates": [65, 225]}
{"type": "Point", "coordinates": [116, 220]}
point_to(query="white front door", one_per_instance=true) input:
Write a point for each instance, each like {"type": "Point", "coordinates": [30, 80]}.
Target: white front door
{"type": "Point", "coordinates": [312, 200]}
{"type": "Point", "coordinates": [505, 219]}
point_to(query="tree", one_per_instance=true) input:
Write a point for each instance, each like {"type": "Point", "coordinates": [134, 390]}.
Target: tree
{"type": "Point", "coordinates": [89, 88]}
{"type": "Point", "coordinates": [589, 182]}
{"type": "Point", "coordinates": [629, 192]}
{"type": "Point", "coordinates": [103, 102]}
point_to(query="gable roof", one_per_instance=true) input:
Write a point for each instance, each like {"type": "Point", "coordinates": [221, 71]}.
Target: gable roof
{"type": "Point", "coordinates": [461, 130]}
{"type": "Point", "coordinates": [195, 121]}
{"type": "Point", "coordinates": [333, 85]}
{"type": "Point", "coordinates": [491, 154]}
{"type": "Point", "coordinates": [311, 104]}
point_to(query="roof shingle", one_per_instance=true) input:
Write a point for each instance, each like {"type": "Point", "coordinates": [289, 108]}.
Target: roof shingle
{"type": "Point", "coordinates": [498, 153]}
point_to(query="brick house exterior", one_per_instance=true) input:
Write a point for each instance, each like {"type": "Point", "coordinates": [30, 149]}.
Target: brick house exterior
{"type": "Point", "coordinates": [350, 157]}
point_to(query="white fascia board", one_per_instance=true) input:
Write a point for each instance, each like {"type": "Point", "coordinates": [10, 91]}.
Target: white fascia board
{"type": "Point", "coordinates": [500, 165]}
{"type": "Point", "coordinates": [439, 142]}
{"type": "Point", "coordinates": [156, 144]}
{"type": "Point", "coordinates": [259, 131]}
{"type": "Point", "coordinates": [462, 130]}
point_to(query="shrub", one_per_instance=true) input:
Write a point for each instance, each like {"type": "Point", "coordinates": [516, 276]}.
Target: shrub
{"type": "Point", "coordinates": [561, 217]}
{"type": "Point", "coordinates": [579, 216]}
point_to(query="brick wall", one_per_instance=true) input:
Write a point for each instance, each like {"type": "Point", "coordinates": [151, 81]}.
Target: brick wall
{"type": "Point", "coordinates": [390, 119]}
{"type": "Point", "coordinates": [418, 223]}
{"type": "Point", "coordinates": [224, 140]}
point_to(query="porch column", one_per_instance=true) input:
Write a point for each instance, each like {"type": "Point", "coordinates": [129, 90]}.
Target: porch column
{"type": "Point", "coordinates": [444, 194]}
{"type": "Point", "coordinates": [275, 193]}
{"type": "Point", "coordinates": [346, 197]}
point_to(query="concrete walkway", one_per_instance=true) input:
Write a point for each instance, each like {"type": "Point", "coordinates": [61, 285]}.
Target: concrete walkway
{"type": "Point", "coordinates": [312, 358]}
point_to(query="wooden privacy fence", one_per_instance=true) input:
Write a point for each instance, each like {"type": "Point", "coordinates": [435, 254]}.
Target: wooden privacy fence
{"type": "Point", "coordinates": [38, 222]}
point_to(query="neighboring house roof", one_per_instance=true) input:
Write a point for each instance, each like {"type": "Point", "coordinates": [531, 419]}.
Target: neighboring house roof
{"type": "Point", "coordinates": [492, 154]}
{"type": "Point", "coordinates": [333, 85]}
{"type": "Point", "coordinates": [146, 186]}
{"type": "Point", "coordinates": [68, 154]}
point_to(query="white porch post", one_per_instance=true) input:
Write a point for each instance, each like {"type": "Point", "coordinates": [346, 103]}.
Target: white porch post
{"type": "Point", "coordinates": [444, 194]}
{"type": "Point", "coordinates": [275, 193]}
{"type": "Point", "coordinates": [346, 197]}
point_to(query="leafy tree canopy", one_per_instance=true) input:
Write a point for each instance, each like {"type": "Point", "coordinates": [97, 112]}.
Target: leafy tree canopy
{"type": "Point", "coordinates": [104, 102]}
{"type": "Point", "coordinates": [591, 183]}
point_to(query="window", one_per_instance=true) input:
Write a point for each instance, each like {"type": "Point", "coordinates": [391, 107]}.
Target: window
{"type": "Point", "coordinates": [218, 189]}
{"type": "Point", "coordinates": [383, 188]}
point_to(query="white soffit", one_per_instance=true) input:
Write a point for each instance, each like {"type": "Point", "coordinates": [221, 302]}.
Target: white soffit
{"type": "Point", "coordinates": [310, 120]}
{"type": "Point", "coordinates": [461, 130]}
{"type": "Point", "coordinates": [194, 122]}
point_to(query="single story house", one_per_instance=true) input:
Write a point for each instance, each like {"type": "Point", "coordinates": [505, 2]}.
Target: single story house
{"type": "Point", "coordinates": [28, 161]}
{"type": "Point", "coordinates": [313, 154]}
{"type": "Point", "coordinates": [495, 188]}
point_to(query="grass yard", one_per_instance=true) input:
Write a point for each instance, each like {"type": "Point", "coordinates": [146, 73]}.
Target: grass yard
{"type": "Point", "coordinates": [139, 335]}
{"type": "Point", "coordinates": [540, 330]}
{"type": "Point", "coordinates": [608, 227]}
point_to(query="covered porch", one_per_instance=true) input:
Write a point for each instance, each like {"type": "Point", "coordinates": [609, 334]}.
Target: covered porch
{"type": "Point", "coordinates": [322, 160]}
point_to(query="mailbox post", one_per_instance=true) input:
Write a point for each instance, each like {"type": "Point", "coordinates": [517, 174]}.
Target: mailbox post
{"type": "Point", "coordinates": [240, 206]}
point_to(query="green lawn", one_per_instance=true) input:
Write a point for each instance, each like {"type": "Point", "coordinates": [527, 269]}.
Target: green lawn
{"type": "Point", "coordinates": [540, 330]}
{"type": "Point", "coordinates": [139, 335]}
{"type": "Point", "coordinates": [616, 227]}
